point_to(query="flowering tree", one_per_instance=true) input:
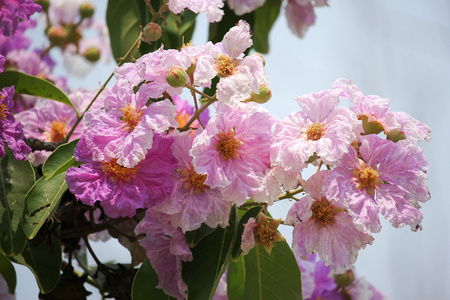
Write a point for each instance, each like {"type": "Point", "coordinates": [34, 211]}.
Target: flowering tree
{"type": "Point", "coordinates": [186, 192]}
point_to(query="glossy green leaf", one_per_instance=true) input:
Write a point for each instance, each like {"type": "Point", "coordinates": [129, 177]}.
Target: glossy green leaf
{"type": "Point", "coordinates": [16, 177]}
{"type": "Point", "coordinates": [41, 202]}
{"type": "Point", "coordinates": [60, 160]}
{"type": "Point", "coordinates": [44, 260]}
{"type": "Point", "coordinates": [210, 259]}
{"type": "Point", "coordinates": [265, 17]}
{"type": "Point", "coordinates": [275, 276]}
{"type": "Point", "coordinates": [35, 86]}
{"type": "Point", "coordinates": [251, 213]}
{"type": "Point", "coordinates": [145, 282]}
{"type": "Point", "coordinates": [8, 272]}
{"type": "Point", "coordinates": [236, 279]}
{"type": "Point", "coordinates": [195, 236]}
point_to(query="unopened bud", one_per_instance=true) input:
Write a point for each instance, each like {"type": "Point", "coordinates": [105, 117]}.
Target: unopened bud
{"type": "Point", "coordinates": [87, 10]}
{"type": "Point", "coordinates": [265, 93]}
{"type": "Point", "coordinates": [92, 54]}
{"type": "Point", "coordinates": [151, 32]}
{"type": "Point", "coordinates": [370, 125]}
{"type": "Point", "coordinates": [57, 35]}
{"type": "Point", "coordinates": [191, 69]}
{"type": "Point", "coordinates": [345, 279]}
{"type": "Point", "coordinates": [176, 77]}
{"type": "Point", "coordinates": [44, 3]}
{"type": "Point", "coordinates": [396, 135]}
{"type": "Point", "coordinates": [261, 57]}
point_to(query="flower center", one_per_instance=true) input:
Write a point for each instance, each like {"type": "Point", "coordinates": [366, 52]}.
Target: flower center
{"type": "Point", "coordinates": [117, 171]}
{"type": "Point", "coordinates": [131, 116]}
{"type": "Point", "coordinates": [314, 132]}
{"type": "Point", "coordinates": [266, 235]}
{"type": "Point", "coordinates": [182, 119]}
{"type": "Point", "coordinates": [4, 111]}
{"type": "Point", "coordinates": [224, 65]}
{"type": "Point", "coordinates": [228, 145]}
{"type": "Point", "coordinates": [322, 212]}
{"type": "Point", "coordinates": [368, 178]}
{"type": "Point", "coordinates": [58, 131]}
{"type": "Point", "coordinates": [196, 180]}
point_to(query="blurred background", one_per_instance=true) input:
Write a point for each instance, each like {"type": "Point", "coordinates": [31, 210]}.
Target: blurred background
{"type": "Point", "coordinates": [394, 49]}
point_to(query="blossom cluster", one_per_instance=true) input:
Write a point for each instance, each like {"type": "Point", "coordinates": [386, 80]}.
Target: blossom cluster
{"type": "Point", "coordinates": [137, 156]}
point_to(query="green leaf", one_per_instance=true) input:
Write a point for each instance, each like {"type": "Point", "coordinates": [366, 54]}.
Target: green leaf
{"type": "Point", "coordinates": [60, 160]}
{"type": "Point", "coordinates": [16, 177]}
{"type": "Point", "coordinates": [35, 86]}
{"type": "Point", "coordinates": [44, 260]}
{"type": "Point", "coordinates": [145, 282]}
{"type": "Point", "coordinates": [251, 213]}
{"type": "Point", "coordinates": [236, 279]}
{"type": "Point", "coordinates": [41, 202]}
{"type": "Point", "coordinates": [265, 17]}
{"type": "Point", "coordinates": [275, 276]}
{"type": "Point", "coordinates": [193, 237]}
{"type": "Point", "coordinates": [8, 272]}
{"type": "Point", "coordinates": [211, 257]}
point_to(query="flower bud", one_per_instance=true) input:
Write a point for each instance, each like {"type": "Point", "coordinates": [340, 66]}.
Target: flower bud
{"type": "Point", "coordinates": [176, 77]}
{"type": "Point", "coordinates": [370, 125]}
{"type": "Point", "coordinates": [57, 35]}
{"type": "Point", "coordinates": [265, 93]}
{"type": "Point", "coordinates": [44, 3]}
{"type": "Point", "coordinates": [261, 57]}
{"type": "Point", "coordinates": [396, 135]}
{"type": "Point", "coordinates": [191, 69]}
{"type": "Point", "coordinates": [151, 32]}
{"type": "Point", "coordinates": [92, 54]}
{"type": "Point", "coordinates": [345, 279]}
{"type": "Point", "coordinates": [87, 10]}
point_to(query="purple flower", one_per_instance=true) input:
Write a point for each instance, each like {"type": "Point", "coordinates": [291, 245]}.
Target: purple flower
{"type": "Point", "coordinates": [382, 176]}
{"type": "Point", "coordinates": [13, 11]}
{"type": "Point", "coordinates": [185, 111]}
{"type": "Point", "coordinates": [324, 227]}
{"type": "Point", "coordinates": [11, 131]}
{"type": "Point", "coordinates": [121, 190]}
{"type": "Point", "coordinates": [192, 202]}
{"type": "Point", "coordinates": [233, 151]}
{"type": "Point", "coordinates": [321, 129]}
{"type": "Point", "coordinates": [2, 63]}
{"type": "Point", "coordinates": [212, 8]}
{"type": "Point", "coordinates": [300, 16]}
{"type": "Point", "coordinates": [166, 248]}
{"type": "Point", "coordinates": [241, 7]}
{"type": "Point", "coordinates": [124, 129]}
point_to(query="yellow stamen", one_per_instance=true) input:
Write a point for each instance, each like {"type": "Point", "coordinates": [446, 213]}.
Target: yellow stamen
{"type": "Point", "coordinates": [322, 212]}
{"type": "Point", "coordinates": [117, 171]}
{"type": "Point", "coordinates": [58, 131]}
{"type": "Point", "coordinates": [131, 116]}
{"type": "Point", "coordinates": [314, 132]}
{"type": "Point", "coordinates": [196, 181]}
{"type": "Point", "coordinates": [224, 65]}
{"type": "Point", "coordinates": [228, 145]}
{"type": "Point", "coordinates": [368, 178]}
{"type": "Point", "coordinates": [266, 235]}
{"type": "Point", "coordinates": [4, 111]}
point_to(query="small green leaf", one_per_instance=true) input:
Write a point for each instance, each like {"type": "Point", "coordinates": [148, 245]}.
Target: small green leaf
{"type": "Point", "coordinates": [251, 213]}
{"type": "Point", "coordinates": [35, 86]}
{"type": "Point", "coordinates": [60, 160]}
{"type": "Point", "coordinates": [44, 260]}
{"type": "Point", "coordinates": [275, 276]}
{"type": "Point", "coordinates": [236, 279]}
{"type": "Point", "coordinates": [41, 202]}
{"type": "Point", "coordinates": [17, 177]}
{"type": "Point", "coordinates": [8, 272]}
{"type": "Point", "coordinates": [145, 282]}
{"type": "Point", "coordinates": [265, 17]}
{"type": "Point", "coordinates": [193, 237]}
{"type": "Point", "coordinates": [211, 257]}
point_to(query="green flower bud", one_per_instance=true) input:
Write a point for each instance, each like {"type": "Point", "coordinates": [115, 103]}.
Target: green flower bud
{"type": "Point", "coordinates": [265, 93]}
{"type": "Point", "coordinates": [87, 10]}
{"type": "Point", "coordinates": [345, 279]}
{"type": "Point", "coordinates": [92, 54]}
{"type": "Point", "coordinates": [371, 126]}
{"type": "Point", "coordinates": [151, 32]}
{"type": "Point", "coordinates": [396, 135]}
{"type": "Point", "coordinates": [261, 57]}
{"type": "Point", "coordinates": [176, 77]}
{"type": "Point", "coordinates": [44, 3]}
{"type": "Point", "coordinates": [57, 35]}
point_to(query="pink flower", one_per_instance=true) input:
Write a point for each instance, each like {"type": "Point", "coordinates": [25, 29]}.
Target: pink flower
{"type": "Point", "coordinates": [11, 131]}
{"type": "Point", "coordinates": [241, 7]}
{"type": "Point", "coordinates": [192, 202]}
{"type": "Point", "coordinates": [300, 16]}
{"type": "Point", "coordinates": [212, 8]}
{"type": "Point", "coordinates": [124, 129]}
{"type": "Point", "coordinates": [382, 176]}
{"type": "Point", "coordinates": [324, 227]}
{"type": "Point", "coordinates": [320, 130]}
{"type": "Point", "coordinates": [13, 11]}
{"type": "Point", "coordinates": [185, 111]}
{"type": "Point", "coordinates": [166, 249]}
{"type": "Point", "coordinates": [121, 190]}
{"type": "Point", "coordinates": [233, 151]}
